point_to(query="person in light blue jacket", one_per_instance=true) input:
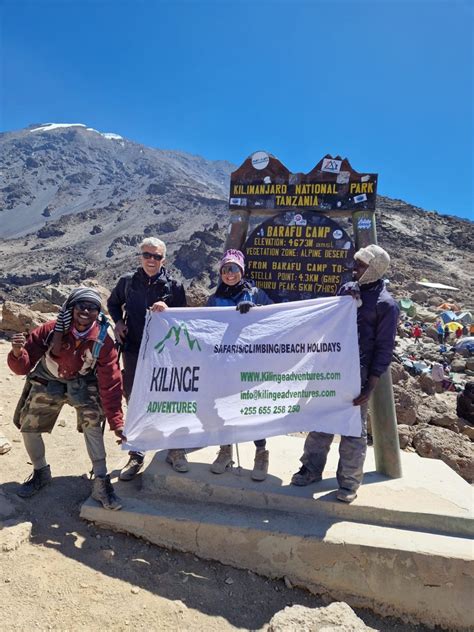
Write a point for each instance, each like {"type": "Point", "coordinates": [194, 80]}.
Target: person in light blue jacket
{"type": "Point", "coordinates": [235, 290]}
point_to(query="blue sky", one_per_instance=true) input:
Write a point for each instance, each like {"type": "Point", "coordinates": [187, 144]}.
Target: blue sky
{"type": "Point", "coordinates": [387, 84]}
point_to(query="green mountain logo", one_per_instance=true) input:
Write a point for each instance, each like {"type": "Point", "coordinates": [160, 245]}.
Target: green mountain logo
{"type": "Point", "coordinates": [176, 332]}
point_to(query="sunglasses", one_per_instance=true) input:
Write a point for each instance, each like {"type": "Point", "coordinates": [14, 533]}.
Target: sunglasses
{"type": "Point", "coordinates": [231, 268]}
{"type": "Point", "coordinates": [151, 255]}
{"type": "Point", "coordinates": [84, 306]}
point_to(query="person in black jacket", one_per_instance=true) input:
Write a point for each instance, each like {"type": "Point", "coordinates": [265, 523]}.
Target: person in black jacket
{"type": "Point", "coordinates": [150, 287]}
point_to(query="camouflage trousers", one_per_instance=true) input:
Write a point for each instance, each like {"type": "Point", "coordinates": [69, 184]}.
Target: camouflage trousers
{"type": "Point", "coordinates": [44, 396]}
{"type": "Point", "coordinates": [40, 404]}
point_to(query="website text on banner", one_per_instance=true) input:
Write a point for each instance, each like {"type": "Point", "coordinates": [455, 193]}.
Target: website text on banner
{"type": "Point", "coordinates": [212, 376]}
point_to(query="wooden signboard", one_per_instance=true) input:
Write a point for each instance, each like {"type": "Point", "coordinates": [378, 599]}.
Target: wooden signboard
{"type": "Point", "coordinates": [296, 256]}
{"type": "Point", "coordinates": [262, 183]}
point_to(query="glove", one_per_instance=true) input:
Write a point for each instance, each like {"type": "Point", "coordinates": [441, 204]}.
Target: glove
{"type": "Point", "coordinates": [244, 306]}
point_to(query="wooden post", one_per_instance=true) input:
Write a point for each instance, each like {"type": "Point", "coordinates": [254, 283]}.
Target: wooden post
{"type": "Point", "coordinates": [238, 227]}
{"type": "Point", "coordinates": [382, 405]}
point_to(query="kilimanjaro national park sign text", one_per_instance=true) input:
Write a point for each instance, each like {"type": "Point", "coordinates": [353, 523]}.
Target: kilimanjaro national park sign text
{"type": "Point", "coordinates": [263, 182]}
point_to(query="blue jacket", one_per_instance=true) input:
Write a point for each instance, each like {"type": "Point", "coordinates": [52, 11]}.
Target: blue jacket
{"type": "Point", "coordinates": [377, 325]}
{"type": "Point", "coordinates": [249, 293]}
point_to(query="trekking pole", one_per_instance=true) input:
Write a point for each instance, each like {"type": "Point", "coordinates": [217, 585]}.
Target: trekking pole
{"type": "Point", "coordinates": [239, 468]}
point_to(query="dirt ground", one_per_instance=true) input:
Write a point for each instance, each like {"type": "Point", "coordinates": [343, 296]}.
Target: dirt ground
{"type": "Point", "coordinates": [70, 575]}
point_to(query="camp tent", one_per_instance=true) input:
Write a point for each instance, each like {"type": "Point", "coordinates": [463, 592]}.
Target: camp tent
{"type": "Point", "coordinates": [464, 343]}
{"type": "Point", "coordinates": [452, 306]}
{"type": "Point", "coordinates": [447, 316]}
{"type": "Point", "coordinates": [453, 326]}
{"type": "Point", "coordinates": [437, 286]}
{"type": "Point", "coordinates": [407, 306]}
{"type": "Point", "coordinates": [465, 318]}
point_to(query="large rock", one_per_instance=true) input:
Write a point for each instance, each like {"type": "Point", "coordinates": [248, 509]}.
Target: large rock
{"type": "Point", "coordinates": [437, 412]}
{"type": "Point", "coordinates": [424, 414]}
{"type": "Point", "coordinates": [458, 365]}
{"type": "Point", "coordinates": [45, 307]}
{"type": "Point", "coordinates": [399, 374]}
{"type": "Point", "coordinates": [197, 295]}
{"type": "Point", "coordinates": [426, 315]}
{"type": "Point", "coordinates": [405, 435]}
{"type": "Point", "coordinates": [13, 534]}
{"type": "Point", "coordinates": [454, 449]}
{"type": "Point", "coordinates": [448, 419]}
{"type": "Point", "coordinates": [405, 405]}
{"type": "Point", "coordinates": [420, 296]}
{"type": "Point", "coordinates": [427, 384]}
{"type": "Point", "coordinates": [465, 428]}
{"type": "Point", "coordinates": [337, 616]}
{"type": "Point", "coordinates": [19, 318]}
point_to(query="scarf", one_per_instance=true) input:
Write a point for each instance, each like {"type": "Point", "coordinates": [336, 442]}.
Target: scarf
{"type": "Point", "coordinates": [64, 319]}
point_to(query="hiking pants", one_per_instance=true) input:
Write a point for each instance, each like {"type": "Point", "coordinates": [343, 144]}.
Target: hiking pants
{"type": "Point", "coordinates": [352, 451]}
{"type": "Point", "coordinates": [34, 445]}
{"type": "Point", "coordinates": [41, 403]}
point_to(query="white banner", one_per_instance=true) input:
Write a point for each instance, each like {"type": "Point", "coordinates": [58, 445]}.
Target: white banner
{"type": "Point", "coordinates": [213, 376]}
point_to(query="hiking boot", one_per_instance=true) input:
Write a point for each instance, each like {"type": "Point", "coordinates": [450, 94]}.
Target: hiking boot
{"type": "Point", "coordinates": [304, 477]}
{"type": "Point", "coordinates": [346, 495]}
{"type": "Point", "coordinates": [260, 466]}
{"type": "Point", "coordinates": [37, 480]}
{"type": "Point", "coordinates": [178, 461]}
{"type": "Point", "coordinates": [5, 445]}
{"type": "Point", "coordinates": [223, 460]}
{"type": "Point", "coordinates": [103, 493]}
{"type": "Point", "coordinates": [131, 469]}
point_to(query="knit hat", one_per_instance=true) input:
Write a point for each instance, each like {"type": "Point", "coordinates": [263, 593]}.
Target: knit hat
{"type": "Point", "coordinates": [64, 319]}
{"type": "Point", "coordinates": [378, 261]}
{"type": "Point", "coordinates": [233, 256]}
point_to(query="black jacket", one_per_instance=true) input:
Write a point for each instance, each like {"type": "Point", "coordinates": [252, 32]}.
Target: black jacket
{"type": "Point", "coordinates": [134, 294]}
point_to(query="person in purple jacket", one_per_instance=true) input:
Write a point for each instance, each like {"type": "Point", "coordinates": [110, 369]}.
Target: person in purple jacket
{"type": "Point", "coordinates": [377, 316]}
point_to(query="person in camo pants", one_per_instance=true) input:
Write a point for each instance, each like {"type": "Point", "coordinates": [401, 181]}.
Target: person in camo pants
{"type": "Point", "coordinates": [377, 317]}
{"type": "Point", "coordinates": [69, 360]}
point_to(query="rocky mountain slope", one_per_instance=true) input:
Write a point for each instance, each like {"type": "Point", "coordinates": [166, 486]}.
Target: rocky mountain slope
{"type": "Point", "coordinates": [75, 203]}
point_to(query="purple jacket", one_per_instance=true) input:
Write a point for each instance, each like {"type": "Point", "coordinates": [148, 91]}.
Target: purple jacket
{"type": "Point", "coordinates": [377, 324]}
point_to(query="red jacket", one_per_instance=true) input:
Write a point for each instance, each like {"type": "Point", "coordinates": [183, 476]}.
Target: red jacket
{"type": "Point", "coordinates": [74, 360]}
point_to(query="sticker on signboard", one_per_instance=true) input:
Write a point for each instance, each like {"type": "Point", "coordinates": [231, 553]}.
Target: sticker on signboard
{"type": "Point", "coordinates": [343, 177]}
{"type": "Point", "coordinates": [298, 220]}
{"type": "Point", "coordinates": [360, 198]}
{"type": "Point", "coordinates": [238, 201]}
{"type": "Point", "coordinates": [260, 160]}
{"type": "Point", "coordinates": [331, 166]}
{"type": "Point", "coordinates": [267, 180]}
{"type": "Point", "coordinates": [364, 223]}
{"type": "Point", "coordinates": [365, 178]}
{"type": "Point", "coordinates": [337, 234]}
